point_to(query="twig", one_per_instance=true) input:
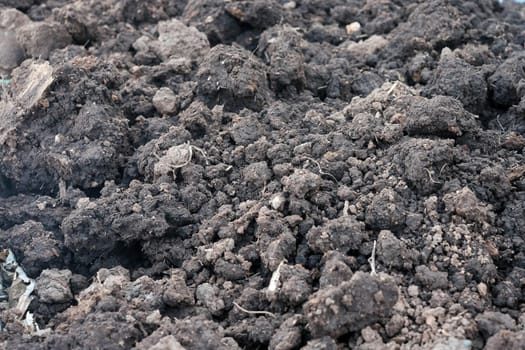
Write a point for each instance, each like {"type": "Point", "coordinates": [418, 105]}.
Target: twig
{"type": "Point", "coordinates": [372, 261]}
{"type": "Point", "coordinates": [254, 312]}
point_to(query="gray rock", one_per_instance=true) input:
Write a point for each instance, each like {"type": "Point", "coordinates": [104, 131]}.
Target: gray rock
{"type": "Point", "coordinates": [353, 305]}
{"type": "Point", "coordinates": [165, 101]}
{"type": "Point", "coordinates": [53, 286]}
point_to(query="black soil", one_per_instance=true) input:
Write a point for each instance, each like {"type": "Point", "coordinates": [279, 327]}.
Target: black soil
{"type": "Point", "coordinates": [265, 174]}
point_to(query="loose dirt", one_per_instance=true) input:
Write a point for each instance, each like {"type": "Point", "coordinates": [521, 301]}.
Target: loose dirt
{"type": "Point", "coordinates": [266, 174]}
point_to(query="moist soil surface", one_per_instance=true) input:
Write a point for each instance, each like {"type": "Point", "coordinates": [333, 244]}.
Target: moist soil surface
{"type": "Point", "coordinates": [265, 174]}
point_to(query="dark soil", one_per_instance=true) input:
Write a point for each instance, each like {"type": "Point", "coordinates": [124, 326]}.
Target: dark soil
{"type": "Point", "coordinates": [264, 174]}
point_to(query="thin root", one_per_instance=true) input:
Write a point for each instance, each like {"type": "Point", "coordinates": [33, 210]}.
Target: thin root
{"type": "Point", "coordinates": [392, 88]}
{"type": "Point", "coordinates": [499, 123]}
{"type": "Point", "coordinates": [430, 176]}
{"type": "Point", "coordinates": [201, 151]}
{"type": "Point", "coordinates": [442, 168]}
{"type": "Point", "coordinates": [321, 169]}
{"type": "Point", "coordinates": [254, 312]}
{"type": "Point", "coordinates": [188, 160]}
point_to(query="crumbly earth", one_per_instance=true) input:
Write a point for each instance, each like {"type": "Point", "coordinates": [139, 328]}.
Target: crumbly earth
{"type": "Point", "coordinates": [264, 174]}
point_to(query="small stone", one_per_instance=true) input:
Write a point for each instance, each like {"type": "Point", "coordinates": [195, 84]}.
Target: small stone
{"type": "Point", "coordinates": [370, 335]}
{"type": "Point", "coordinates": [413, 290]}
{"type": "Point", "coordinates": [165, 101]}
{"type": "Point", "coordinates": [277, 202]}
{"type": "Point", "coordinates": [483, 290]}
{"type": "Point", "coordinates": [353, 27]}
{"type": "Point", "coordinates": [290, 5]}
{"type": "Point", "coordinates": [82, 203]}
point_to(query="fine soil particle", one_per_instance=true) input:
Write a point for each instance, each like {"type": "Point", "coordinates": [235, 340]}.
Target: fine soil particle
{"type": "Point", "coordinates": [269, 174]}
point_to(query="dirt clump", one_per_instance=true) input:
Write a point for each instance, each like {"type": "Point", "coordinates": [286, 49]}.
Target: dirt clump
{"type": "Point", "coordinates": [266, 174]}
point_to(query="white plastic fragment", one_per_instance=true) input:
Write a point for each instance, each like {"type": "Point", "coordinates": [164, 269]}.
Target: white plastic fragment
{"type": "Point", "coordinates": [19, 278]}
{"type": "Point", "coordinates": [372, 260]}
{"type": "Point", "coordinates": [275, 280]}
{"type": "Point", "coordinates": [277, 201]}
{"type": "Point", "coordinates": [30, 323]}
